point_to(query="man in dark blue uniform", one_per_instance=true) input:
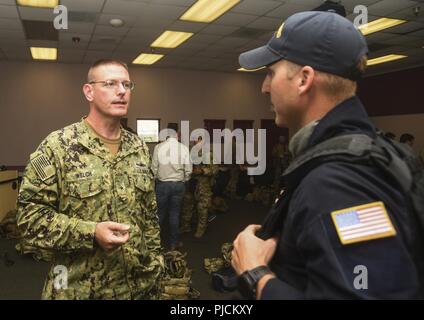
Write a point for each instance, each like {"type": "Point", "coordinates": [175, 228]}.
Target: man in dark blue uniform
{"type": "Point", "coordinates": [345, 231]}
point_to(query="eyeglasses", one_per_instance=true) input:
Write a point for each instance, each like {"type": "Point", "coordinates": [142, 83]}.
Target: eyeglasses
{"type": "Point", "coordinates": [114, 84]}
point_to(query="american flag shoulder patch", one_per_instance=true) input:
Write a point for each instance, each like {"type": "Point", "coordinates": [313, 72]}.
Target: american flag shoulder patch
{"type": "Point", "coordinates": [42, 166]}
{"type": "Point", "coordinates": [363, 223]}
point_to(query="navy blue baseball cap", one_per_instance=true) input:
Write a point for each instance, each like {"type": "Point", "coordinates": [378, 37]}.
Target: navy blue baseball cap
{"type": "Point", "coordinates": [324, 41]}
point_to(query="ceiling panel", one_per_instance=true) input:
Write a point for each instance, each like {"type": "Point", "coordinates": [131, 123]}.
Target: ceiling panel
{"type": "Point", "coordinates": [235, 19]}
{"type": "Point", "coordinates": [19, 35]}
{"type": "Point", "coordinates": [42, 43]}
{"type": "Point", "coordinates": [10, 24]}
{"type": "Point", "coordinates": [406, 28]}
{"type": "Point", "coordinates": [383, 8]}
{"type": "Point", "coordinates": [186, 26]}
{"type": "Point", "coordinates": [219, 30]}
{"type": "Point", "coordinates": [410, 14]}
{"type": "Point", "coordinates": [8, 12]}
{"type": "Point", "coordinates": [79, 27]}
{"type": "Point", "coordinates": [351, 4]}
{"type": "Point", "coordinates": [205, 38]}
{"type": "Point", "coordinates": [419, 34]}
{"type": "Point", "coordinates": [266, 23]}
{"type": "Point", "coordinates": [288, 9]}
{"type": "Point", "coordinates": [256, 7]}
{"type": "Point", "coordinates": [110, 31]}
{"type": "Point", "coordinates": [402, 40]}
{"type": "Point", "coordinates": [37, 14]}
{"type": "Point", "coordinates": [232, 42]}
{"type": "Point", "coordinates": [129, 21]}
{"type": "Point", "coordinates": [83, 5]}
{"type": "Point", "coordinates": [17, 52]}
{"type": "Point", "coordinates": [66, 40]}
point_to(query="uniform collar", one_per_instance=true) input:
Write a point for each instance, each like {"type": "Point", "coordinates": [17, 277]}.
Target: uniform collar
{"type": "Point", "coordinates": [130, 143]}
{"type": "Point", "coordinates": [348, 117]}
{"type": "Point", "coordinates": [299, 141]}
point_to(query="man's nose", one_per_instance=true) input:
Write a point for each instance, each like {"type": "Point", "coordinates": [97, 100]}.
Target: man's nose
{"type": "Point", "coordinates": [265, 85]}
{"type": "Point", "coordinates": [121, 89]}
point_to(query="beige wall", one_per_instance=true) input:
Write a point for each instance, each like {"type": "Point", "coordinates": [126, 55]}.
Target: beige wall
{"type": "Point", "coordinates": [411, 123]}
{"type": "Point", "coordinates": [37, 98]}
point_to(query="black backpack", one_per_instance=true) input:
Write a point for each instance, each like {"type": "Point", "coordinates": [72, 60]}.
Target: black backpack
{"type": "Point", "coordinates": [394, 160]}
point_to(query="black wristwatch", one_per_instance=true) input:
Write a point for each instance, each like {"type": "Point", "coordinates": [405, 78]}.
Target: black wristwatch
{"type": "Point", "coordinates": [248, 281]}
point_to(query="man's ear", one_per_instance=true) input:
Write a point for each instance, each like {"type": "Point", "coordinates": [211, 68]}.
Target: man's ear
{"type": "Point", "coordinates": [88, 92]}
{"type": "Point", "coordinates": [307, 76]}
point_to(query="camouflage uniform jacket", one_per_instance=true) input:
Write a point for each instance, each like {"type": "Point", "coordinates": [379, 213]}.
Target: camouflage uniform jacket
{"type": "Point", "coordinates": [71, 183]}
{"type": "Point", "coordinates": [208, 170]}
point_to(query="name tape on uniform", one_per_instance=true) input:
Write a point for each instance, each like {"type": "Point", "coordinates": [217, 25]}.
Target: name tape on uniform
{"type": "Point", "coordinates": [363, 223]}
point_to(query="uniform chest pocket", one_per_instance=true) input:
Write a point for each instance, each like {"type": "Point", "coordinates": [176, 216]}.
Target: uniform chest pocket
{"type": "Point", "coordinates": [85, 188]}
{"type": "Point", "coordinates": [144, 182]}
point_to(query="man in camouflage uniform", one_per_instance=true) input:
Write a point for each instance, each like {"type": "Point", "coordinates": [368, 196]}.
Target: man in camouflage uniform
{"type": "Point", "coordinates": [87, 196]}
{"type": "Point", "coordinates": [201, 200]}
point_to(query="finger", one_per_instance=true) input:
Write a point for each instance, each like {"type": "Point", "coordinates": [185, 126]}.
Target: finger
{"type": "Point", "coordinates": [114, 240]}
{"type": "Point", "coordinates": [272, 242]}
{"type": "Point", "coordinates": [252, 228]}
{"type": "Point", "coordinates": [118, 226]}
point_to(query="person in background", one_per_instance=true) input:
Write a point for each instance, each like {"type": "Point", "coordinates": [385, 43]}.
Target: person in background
{"type": "Point", "coordinates": [172, 168]}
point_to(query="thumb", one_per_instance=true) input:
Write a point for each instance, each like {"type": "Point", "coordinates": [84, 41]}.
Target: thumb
{"type": "Point", "coordinates": [272, 242]}
{"type": "Point", "coordinates": [118, 226]}
{"type": "Point", "coordinates": [253, 228]}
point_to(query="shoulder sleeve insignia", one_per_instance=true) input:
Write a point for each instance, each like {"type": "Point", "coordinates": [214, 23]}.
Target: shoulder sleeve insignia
{"type": "Point", "coordinates": [42, 166]}
{"type": "Point", "coordinates": [363, 223]}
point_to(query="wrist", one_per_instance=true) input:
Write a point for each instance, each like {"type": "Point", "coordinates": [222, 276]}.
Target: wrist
{"type": "Point", "coordinates": [248, 282]}
{"type": "Point", "coordinates": [261, 284]}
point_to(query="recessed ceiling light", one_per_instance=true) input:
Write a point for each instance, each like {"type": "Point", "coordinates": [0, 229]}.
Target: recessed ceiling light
{"type": "Point", "coordinates": [383, 59]}
{"type": "Point", "coordinates": [38, 3]}
{"type": "Point", "coordinates": [43, 53]}
{"type": "Point", "coordinates": [208, 10]}
{"type": "Point", "coordinates": [147, 58]}
{"type": "Point", "coordinates": [116, 22]}
{"type": "Point", "coordinates": [379, 24]}
{"type": "Point", "coordinates": [171, 39]}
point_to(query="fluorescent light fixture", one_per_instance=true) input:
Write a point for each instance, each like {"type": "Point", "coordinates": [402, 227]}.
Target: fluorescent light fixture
{"type": "Point", "coordinates": [171, 39]}
{"type": "Point", "coordinates": [38, 3]}
{"type": "Point", "coordinates": [208, 10]}
{"type": "Point", "coordinates": [383, 59]}
{"type": "Point", "coordinates": [43, 53]}
{"type": "Point", "coordinates": [379, 24]}
{"type": "Point", "coordinates": [250, 70]}
{"type": "Point", "coordinates": [147, 58]}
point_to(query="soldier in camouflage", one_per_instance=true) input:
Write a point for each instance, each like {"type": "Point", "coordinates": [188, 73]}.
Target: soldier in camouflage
{"type": "Point", "coordinates": [87, 197]}
{"type": "Point", "coordinates": [201, 200]}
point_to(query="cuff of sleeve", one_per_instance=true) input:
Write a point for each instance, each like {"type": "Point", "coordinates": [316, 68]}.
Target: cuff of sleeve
{"type": "Point", "coordinates": [276, 289]}
{"type": "Point", "coordinates": [86, 234]}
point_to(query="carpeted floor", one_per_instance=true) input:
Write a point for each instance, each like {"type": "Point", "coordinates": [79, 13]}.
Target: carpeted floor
{"type": "Point", "coordinates": [21, 277]}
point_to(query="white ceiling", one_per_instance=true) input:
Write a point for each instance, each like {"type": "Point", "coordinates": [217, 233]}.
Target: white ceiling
{"type": "Point", "coordinates": [214, 46]}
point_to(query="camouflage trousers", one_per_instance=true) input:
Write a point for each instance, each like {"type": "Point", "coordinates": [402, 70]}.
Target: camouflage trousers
{"type": "Point", "coordinates": [200, 203]}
